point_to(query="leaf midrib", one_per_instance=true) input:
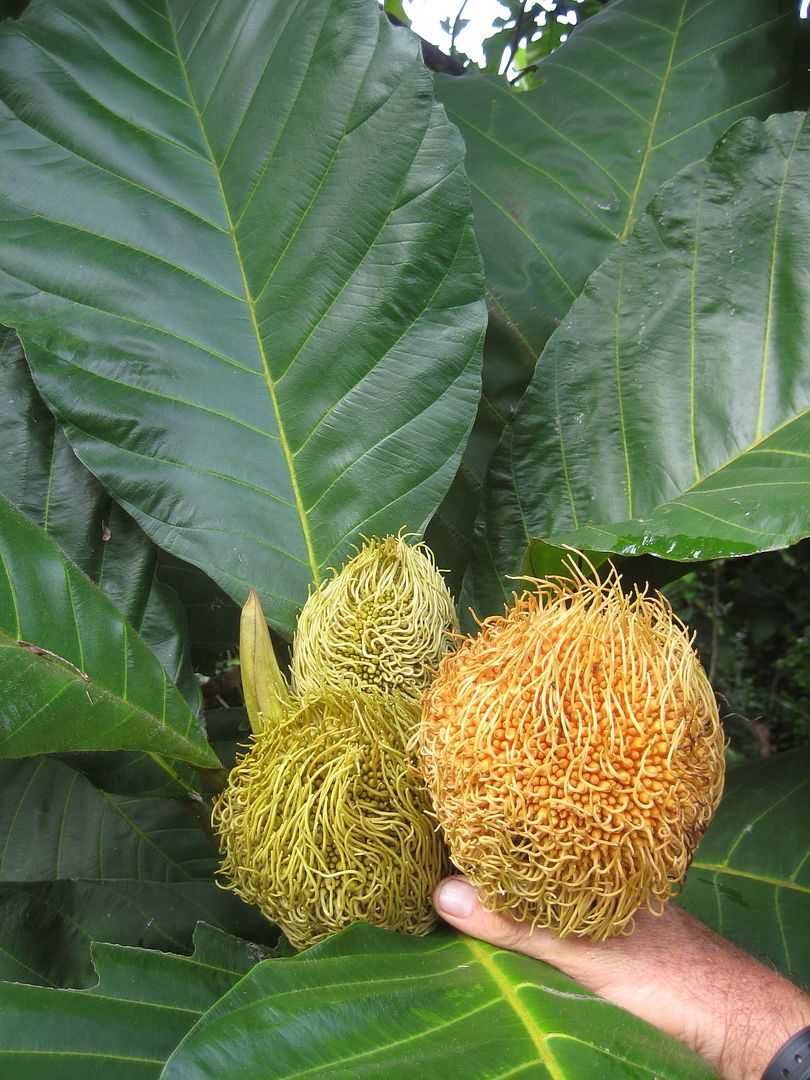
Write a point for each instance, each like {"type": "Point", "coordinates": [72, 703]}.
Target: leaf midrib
{"type": "Point", "coordinates": [251, 306]}
{"type": "Point", "coordinates": [649, 148]}
{"type": "Point", "coordinates": [510, 996]}
{"type": "Point", "coordinates": [731, 461]}
{"type": "Point", "coordinates": [749, 875]}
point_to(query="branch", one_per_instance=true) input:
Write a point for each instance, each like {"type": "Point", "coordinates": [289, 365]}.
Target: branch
{"type": "Point", "coordinates": [456, 21]}
{"type": "Point", "coordinates": [432, 55]}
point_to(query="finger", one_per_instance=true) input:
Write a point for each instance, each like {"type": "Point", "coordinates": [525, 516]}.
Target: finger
{"type": "Point", "coordinates": [457, 902]}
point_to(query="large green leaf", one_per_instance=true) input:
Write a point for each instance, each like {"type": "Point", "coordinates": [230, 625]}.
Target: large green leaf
{"type": "Point", "coordinates": [46, 928]}
{"type": "Point", "coordinates": [127, 1025]}
{"type": "Point", "coordinates": [43, 477]}
{"type": "Point", "coordinates": [56, 825]}
{"type": "Point", "coordinates": [237, 246]}
{"type": "Point", "coordinates": [77, 863]}
{"type": "Point", "coordinates": [372, 1003]}
{"type": "Point", "coordinates": [559, 175]}
{"type": "Point", "coordinates": [75, 675]}
{"type": "Point", "coordinates": [671, 411]}
{"type": "Point", "coordinates": [750, 879]}
{"type": "Point", "coordinates": [133, 773]}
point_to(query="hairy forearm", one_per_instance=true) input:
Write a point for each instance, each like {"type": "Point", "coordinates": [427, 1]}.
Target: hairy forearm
{"type": "Point", "coordinates": [692, 983]}
{"type": "Point", "coordinates": [675, 973]}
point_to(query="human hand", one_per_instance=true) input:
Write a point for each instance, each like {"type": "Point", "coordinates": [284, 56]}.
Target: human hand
{"type": "Point", "coordinates": [672, 971]}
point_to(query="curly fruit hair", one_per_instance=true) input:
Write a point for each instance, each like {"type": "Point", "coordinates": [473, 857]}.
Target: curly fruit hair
{"type": "Point", "coordinates": [574, 755]}
{"type": "Point", "coordinates": [382, 622]}
{"type": "Point", "coordinates": [324, 819]}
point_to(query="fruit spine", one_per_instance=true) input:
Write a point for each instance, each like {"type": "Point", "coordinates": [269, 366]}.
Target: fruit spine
{"type": "Point", "coordinates": [574, 755]}
{"type": "Point", "coordinates": [382, 622]}
{"type": "Point", "coordinates": [324, 819]}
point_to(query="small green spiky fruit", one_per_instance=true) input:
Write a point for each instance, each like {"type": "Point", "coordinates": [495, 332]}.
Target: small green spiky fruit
{"type": "Point", "coordinates": [382, 622]}
{"type": "Point", "coordinates": [324, 820]}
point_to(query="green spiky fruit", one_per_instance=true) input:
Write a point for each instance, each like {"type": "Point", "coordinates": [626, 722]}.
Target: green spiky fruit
{"type": "Point", "coordinates": [324, 820]}
{"type": "Point", "coordinates": [382, 623]}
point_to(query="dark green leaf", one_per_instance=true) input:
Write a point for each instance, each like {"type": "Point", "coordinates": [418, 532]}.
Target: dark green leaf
{"type": "Point", "coordinates": [372, 1003]}
{"type": "Point", "coordinates": [800, 90]}
{"type": "Point", "coordinates": [75, 675]}
{"type": "Point", "coordinates": [228, 732]}
{"type": "Point", "coordinates": [12, 9]}
{"type": "Point", "coordinates": [44, 478]}
{"type": "Point", "coordinates": [41, 475]}
{"type": "Point", "coordinates": [131, 772]}
{"type": "Point", "coordinates": [493, 48]}
{"type": "Point", "coordinates": [750, 879]}
{"type": "Point", "coordinates": [126, 1025]}
{"type": "Point", "coordinates": [560, 174]}
{"type": "Point", "coordinates": [213, 618]}
{"type": "Point", "coordinates": [671, 412]}
{"type": "Point", "coordinates": [46, 928]}
{"type": "Point", "coordinates": [55, 825]}
{"type": "Point", "coordinates": [77, 864]}
{"type": "Point", "coordinates": [238, 250]}
{"type": "Point", "coordinates": [125, 773]}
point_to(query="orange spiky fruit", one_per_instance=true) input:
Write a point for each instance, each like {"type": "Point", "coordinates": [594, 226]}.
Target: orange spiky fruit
{"type": "Point", "coordinates": [574, 755]}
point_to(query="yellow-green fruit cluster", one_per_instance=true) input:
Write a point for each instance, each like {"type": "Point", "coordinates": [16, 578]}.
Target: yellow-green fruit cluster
{"type": "Point", "coordinates": [574, 755]}
{"type": "Point", "coordinates": [324, 820]}
{"type": "Point", "coordinates": [382, 622]}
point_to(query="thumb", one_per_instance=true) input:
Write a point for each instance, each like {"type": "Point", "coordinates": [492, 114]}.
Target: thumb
{"type": "Point", "coordinates": [457, 902]}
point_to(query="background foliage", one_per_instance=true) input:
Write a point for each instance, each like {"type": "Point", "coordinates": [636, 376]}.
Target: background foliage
{"type": "Point", "coordinates": [244, 311]}
{"type": "Point", "coordinates": [751, 619]}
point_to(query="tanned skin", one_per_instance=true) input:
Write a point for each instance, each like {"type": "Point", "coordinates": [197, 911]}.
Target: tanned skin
{"type": "Point", "coordinates": [673, 972]}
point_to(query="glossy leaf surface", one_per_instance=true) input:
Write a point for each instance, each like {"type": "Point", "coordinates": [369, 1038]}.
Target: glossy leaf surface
{"type": "Point", "coordinates": [560, 175]}
{"type": "Point", "coordinates": [86, 864]}
{"type": "Point", "coordinates": [128, 1024]}
{"type": "Point", "coordinates": [43, 477]}
{"type": "Point", "coordinates": [750, 879]}
{"type": "Point", "coordinates": [238, 251]}
{"type": "Point", "coordinates": [75, 675]}
{"type": "Point", "coordinates": [372, 1003]}
{"type": "Point", "coordinates": [671, 412]}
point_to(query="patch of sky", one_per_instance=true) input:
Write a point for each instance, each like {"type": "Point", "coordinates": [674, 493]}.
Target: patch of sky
{"type": "Point", "coordinates": [427, 15]}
